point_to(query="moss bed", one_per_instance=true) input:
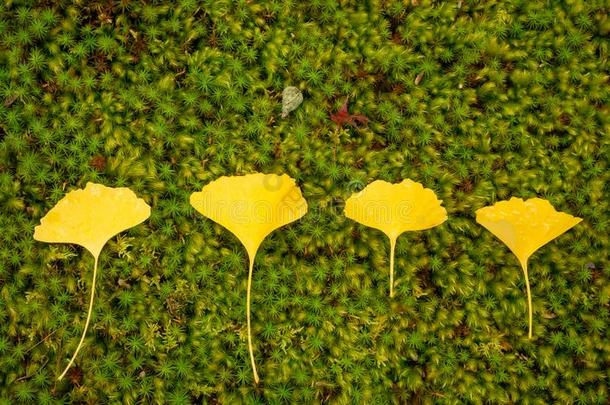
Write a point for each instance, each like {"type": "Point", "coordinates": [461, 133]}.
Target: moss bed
{"type": "Point", "coordinates": [478, 100]}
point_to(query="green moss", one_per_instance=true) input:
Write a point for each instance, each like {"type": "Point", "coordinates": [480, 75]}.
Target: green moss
{"type": "Point", "coordinates": [478, 100]}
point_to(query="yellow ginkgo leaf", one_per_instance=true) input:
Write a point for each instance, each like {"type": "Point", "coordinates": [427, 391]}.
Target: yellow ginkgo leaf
{"type": "Point", "coordinates": [394, 209]}
{"type": "Point", "coordinates": [89, 217]}
{"type": "Point", "coordinates": [251, 207]}
{"type": "Point", "coordinates": [525, 226]}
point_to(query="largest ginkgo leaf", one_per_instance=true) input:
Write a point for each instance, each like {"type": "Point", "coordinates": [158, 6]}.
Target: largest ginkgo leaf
{"type": "Point", "coordinates": [90, 217]}
{"type": "Point", "coordinates": [525, 226]}
{"type": "Point", "coordinates": [251, 207]}
{"type": "Point", "coordinates": [395, 209]}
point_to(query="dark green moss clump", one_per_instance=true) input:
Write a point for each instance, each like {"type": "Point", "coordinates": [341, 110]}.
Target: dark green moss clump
{"type": "Point", "coordinates": [478, 100]}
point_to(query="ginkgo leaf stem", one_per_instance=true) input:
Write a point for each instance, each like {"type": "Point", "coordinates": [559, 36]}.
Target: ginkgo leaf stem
{"type": "Point", "coordinates": [529, 300]}
{"type": "Point", "coordinates": [248, 320]}
{"type": "Point", "coordinates": [392, 248]}
{"type": "Point", "coordinates": [86, 323]}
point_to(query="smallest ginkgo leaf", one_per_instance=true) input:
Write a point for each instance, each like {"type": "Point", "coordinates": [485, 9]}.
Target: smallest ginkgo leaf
{"type": "Point", "coordinates": [525, 226]}
{"type": "Point", "coordinates": [89, 217]}
{"type": "Point", "coordinates": [395, 209]}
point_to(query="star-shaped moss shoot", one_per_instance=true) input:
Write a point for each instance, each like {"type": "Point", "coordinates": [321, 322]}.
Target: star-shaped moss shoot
{"type": "Point", "coordinates": [89, 217]}
{"type": "Point", "coordinates": [251, 207]}
{"type": "Point", "coordinates": [525, 226]}
{"type": "Point", "coordinates": [395, 209]}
